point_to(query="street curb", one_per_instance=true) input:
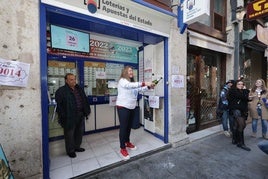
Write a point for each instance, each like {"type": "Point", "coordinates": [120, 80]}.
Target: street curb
{"type": "Point", "coordinates": [117, 164]}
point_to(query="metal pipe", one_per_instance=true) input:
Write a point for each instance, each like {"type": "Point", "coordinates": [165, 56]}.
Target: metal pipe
{"type": "Point", "coordinates": [236, 38]}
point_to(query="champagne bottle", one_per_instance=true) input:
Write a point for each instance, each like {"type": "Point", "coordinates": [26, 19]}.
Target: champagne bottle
{"type": "Point", "coordinates": [156, 81]}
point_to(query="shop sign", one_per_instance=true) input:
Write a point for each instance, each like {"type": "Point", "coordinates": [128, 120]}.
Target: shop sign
{"type": "Point", "coordinates": [124, 12]}
{"type": "Point", "coordinates": [13, 73]}
{"type": "Point", "coordinates": [262, 34]}
{"type": "Point", "coordinates": [195, 10]}
{"type": "Point", "coordinates": [257, 9]}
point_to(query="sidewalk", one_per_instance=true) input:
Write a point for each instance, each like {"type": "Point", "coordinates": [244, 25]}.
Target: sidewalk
{"type": "Point", "coordinates": [212, 157]}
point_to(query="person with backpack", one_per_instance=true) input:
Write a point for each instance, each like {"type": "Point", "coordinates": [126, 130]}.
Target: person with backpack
{"type": "Point", "coordinates": [223, 107]}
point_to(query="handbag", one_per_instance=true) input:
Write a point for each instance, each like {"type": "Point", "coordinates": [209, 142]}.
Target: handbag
{"type": "Point", "coordinates": [136, 118]}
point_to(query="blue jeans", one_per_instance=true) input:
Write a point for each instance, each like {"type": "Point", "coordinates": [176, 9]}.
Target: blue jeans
{"type": "Point", "coordinates": [263, 125]}
{"type": "Point", "coordinates": [263, 145]}
{"type": "Point", "coordinates": [224, 118]}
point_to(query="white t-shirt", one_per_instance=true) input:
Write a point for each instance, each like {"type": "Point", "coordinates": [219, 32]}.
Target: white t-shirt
{"type": "Point", "coordinates": [128, 92]}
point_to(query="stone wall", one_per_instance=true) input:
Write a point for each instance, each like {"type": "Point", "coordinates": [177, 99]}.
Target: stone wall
{"type": "Point", "coordinates": [20, 108]}
{"type": "Point", "coordinates": [177, 96]}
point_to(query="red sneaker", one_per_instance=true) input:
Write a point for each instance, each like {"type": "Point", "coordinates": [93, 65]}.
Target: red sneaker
{"type": "Point", "coordinates": [124, 154]}
{"type": "Point", "coordinates": [130, 146]}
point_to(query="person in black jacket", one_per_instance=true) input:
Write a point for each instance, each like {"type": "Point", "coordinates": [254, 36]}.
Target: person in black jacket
{"type": "Point", "coordinates": [238, 105]}
{"type": "Point", "coordinates": [72, 108]}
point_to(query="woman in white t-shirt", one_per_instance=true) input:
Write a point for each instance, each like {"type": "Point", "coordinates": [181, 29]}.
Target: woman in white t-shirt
{"type": "Point", "coordinates": [126, 102]}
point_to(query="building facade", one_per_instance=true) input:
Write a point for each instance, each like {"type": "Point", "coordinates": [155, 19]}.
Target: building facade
{"type": "Point", "coordinates": [194, 65]}
{"type": "Point", "coordinates": [209, 62]}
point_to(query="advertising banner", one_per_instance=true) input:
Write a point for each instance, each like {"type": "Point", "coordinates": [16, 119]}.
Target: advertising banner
{"type": "Point", "coordinates": [112, 51]}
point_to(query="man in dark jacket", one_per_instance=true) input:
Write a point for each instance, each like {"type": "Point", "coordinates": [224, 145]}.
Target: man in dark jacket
{"type": "Point", "coordinates": [72, 108]}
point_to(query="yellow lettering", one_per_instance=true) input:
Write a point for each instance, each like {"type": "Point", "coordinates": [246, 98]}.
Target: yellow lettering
{"type": "Point", "coordinates": [257, 5]}
{"type": "Point", "coordinates": [265, 5]}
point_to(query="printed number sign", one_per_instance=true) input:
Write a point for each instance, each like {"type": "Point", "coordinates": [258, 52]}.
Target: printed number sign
{"type": "Point", "coordinates": [13, 73]}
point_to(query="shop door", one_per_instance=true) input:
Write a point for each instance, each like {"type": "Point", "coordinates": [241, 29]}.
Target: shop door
{"type": "Point", "coordinates": [202, 91]}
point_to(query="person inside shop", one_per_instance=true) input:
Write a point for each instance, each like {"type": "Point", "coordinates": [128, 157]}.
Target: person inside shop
{"type": "Point", "coordinates": [238, 97]}
{"type": "Point", "coordinates": [257, 107]}
{"type": "Point", "coordinates": [72, 108]}
{"type": "Point", "coordinates": [126, 102]}
{"type": "Point", "coordinates": [223, 106]}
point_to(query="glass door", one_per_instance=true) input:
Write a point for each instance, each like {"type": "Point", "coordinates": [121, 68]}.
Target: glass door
{"type": "Point", "coordinates": [56, 72]}
{"type": "Point", "coordinates": [202, 90]}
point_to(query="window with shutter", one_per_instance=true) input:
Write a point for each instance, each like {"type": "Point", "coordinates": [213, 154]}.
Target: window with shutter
{"type": "Point", "coordinates": [218, 22]}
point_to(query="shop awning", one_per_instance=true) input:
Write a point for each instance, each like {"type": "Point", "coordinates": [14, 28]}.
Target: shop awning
{"type": "Point", "coordinates": [209, 43]}
{"type": "Point", "coordinates": [255, 44]}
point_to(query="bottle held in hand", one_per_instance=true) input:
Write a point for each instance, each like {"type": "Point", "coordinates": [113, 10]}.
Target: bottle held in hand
{"type": "Point", "coordinates": [156, 81]}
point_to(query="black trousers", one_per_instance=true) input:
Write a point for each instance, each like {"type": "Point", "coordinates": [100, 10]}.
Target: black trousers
{"type": "Point", "coordinates": [239, 120]}
{"type": "Point", "coordinates": [125, 118]}
{"type": "Point", "coordinates": [238, 127]}
{"type": "Point", "coordinates": [73, 136]}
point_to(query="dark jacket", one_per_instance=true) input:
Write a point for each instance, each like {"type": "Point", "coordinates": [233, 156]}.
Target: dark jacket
{"type": "Point", "coordinates": [238, 99]}
{"type": "Point", "coordinates": [67, 107]}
